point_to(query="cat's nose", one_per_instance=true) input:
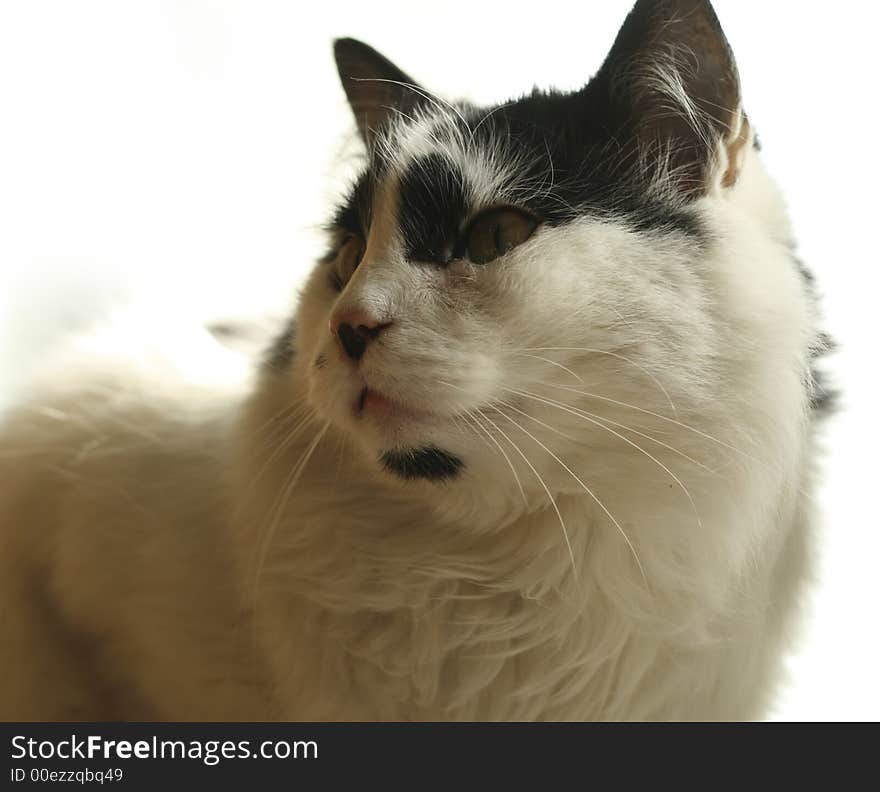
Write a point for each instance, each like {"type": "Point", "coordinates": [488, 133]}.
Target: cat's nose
{"type": "Point", "coordinates": [354, 330]}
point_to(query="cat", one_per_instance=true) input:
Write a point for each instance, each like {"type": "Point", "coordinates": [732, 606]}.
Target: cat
{"type": "Point", "coordinates": [537, 444]}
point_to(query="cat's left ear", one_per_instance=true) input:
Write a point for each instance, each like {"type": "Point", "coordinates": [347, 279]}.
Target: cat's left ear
{"type": "Point", "coordinates": [673, 84]}
{"type": "Point", "coordinates": [375, 87]}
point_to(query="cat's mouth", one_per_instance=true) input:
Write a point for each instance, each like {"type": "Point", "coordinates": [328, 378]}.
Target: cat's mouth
{"type": "Point", "coordinates": [406, 460]}
{"type": "Point", "coordinates": [372, 403]}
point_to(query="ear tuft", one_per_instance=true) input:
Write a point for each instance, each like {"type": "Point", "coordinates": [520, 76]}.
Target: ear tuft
{"type": "Point", "coordinates": [672, 78]}
{"type": "Point", "coordinates": [375, 87]}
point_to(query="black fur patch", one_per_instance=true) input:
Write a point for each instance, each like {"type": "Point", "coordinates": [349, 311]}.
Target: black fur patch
{"type": "Point", "coordinates": [432, 207]}
{"type": "Point", "coordinates": [571, 164]}
{"type": "Point", "coordinates": [577, 163]}
{"type": "Point", "coordinates": [281, 352]}
{"type": "Point", "coordinates": [823, 399]}
{"type": "Point", "coordinates": [601, 150]}
{"type": "Point", "coordinates": [355, 212]}
{"type": "Point", "coordinates": [431, 464]}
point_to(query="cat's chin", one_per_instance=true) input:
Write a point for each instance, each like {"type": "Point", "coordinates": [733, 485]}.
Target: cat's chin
{"type": "Point", "coordinates": [374, 406]}
{"type": "Point", "coordinates": [390, 423]}
{"type": "Point", "coordinates": [406, 440]}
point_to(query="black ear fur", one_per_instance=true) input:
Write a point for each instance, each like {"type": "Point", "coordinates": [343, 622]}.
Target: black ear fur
{"type": "Point", "coordinates": [672, 84]}
{"type": "Point", "coordinates": [375, 87]}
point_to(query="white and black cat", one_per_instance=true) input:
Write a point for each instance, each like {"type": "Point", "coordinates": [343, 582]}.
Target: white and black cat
{"type": "Point", "coordinates": [537, 444]}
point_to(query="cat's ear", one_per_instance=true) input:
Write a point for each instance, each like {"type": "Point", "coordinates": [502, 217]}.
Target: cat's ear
{"type": "Point", "coordinates": [375, 87]}
{"type": "Point", "coordinates": [672, 78]}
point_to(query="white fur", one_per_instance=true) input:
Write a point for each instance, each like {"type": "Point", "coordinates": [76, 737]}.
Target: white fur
{"type": "Point", "coordinates": [169, 555]}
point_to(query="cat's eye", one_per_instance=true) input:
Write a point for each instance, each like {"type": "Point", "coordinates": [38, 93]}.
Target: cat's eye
{"type": "Point", "coordinates": [347, 260]}
{"type": "Point", "coordinates": [496, 231]}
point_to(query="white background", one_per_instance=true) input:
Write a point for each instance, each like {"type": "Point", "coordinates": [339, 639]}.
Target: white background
{"type": "Point", "coordinates": [182, 154]}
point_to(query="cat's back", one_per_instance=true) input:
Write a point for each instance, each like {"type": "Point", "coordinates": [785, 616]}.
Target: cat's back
{"type": "Point", "coordinates": [114, 430]}
{"type": "Point", "coordinates": [115, 565]}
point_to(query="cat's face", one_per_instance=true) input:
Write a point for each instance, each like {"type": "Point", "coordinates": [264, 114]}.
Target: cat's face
{"type": "Point", "coordinates": [500, 281]}
{"type": "Point", "coordinates": [459, 279]}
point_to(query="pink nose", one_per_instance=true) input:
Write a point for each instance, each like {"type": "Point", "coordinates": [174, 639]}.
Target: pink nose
{"type": "Point", "coordinates": [354, 330]}
{"type": "Point", "coordinates": [355, 318]}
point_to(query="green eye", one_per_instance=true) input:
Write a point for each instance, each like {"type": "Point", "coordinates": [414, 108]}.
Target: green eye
{"type": "Point", "coordinates": [495, 232]}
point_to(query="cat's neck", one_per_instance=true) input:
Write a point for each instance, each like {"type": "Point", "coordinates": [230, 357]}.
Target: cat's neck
{"type": "Point", "coordinates": [315, 517]}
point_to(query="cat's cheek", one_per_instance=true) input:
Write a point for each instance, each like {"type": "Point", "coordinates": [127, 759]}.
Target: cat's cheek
{"type": "Point", "coordinates": [329, 394]}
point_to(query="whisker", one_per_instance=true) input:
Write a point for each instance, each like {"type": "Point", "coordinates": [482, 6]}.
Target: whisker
{"type": "Point", "coordinates": [617, 355]}
{"type": "Point", "coordinates": [487, 116]}
{"type": "Point", "coordinates": [289, 410]}
{"type": "Point", "coordinates": [504, 454]}
{"type": "Point", "coordinates": [626, 428]}
{"type": "Point", "coordinates": [296, 418]}
{"type": "Point", "coordinates": [293, 478]}
{"type": "Point", "coordinates": [650, 456]}
{"type": "Point", "coordinates": [497, 444]}
{"type": "Point", "coordinates": [435, 100]}
{"type": "Point", "coordinates": [553, 363]}
{"type": "Point", "coordinates": [553, 429]}
{"type": "Point", "coordinates": [280, 448]}
{"type": "Point", "coordinates": [420, 124]}
{"type": "Point", "coordinates": [587, 490]}
{"type": "Point", "coordinates": [601, 418]}
{"type": "Point", "coordinates": [340, 453]}
{"type": "Point", "coordinates": [544, 485]}
{"type": "Point", "coordinates": [656, 415]}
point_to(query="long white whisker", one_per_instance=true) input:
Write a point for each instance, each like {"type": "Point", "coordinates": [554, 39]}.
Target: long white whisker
{"type": "Point", "coordinates": [419, 123]}
{"type": "Point", "coordinates": [581, 413]}
{"type": "Point", "coordinates": [543, 484]}
{"type": "Point", "coordinates": [504, 454]}
{"type": "Point", "coordinates": [293, 410]}
{"type": "Point", "coordinates": [586, 489]}
{"type": "Point", "coordinates": [532, 418]}
{"type": "Point", "coordinates": [552, 363]}
{"type": "Point", "coordinates": [284, 444]}
{"type": "Point", "coordinates": [497, 444]}
{"type": "Point", "coordinates": [626, 428]}
{"type": "Point", "coordinates": [650, 456]}
{"type": "Point", "coordinates": [435, 100]}
{"type": "Point", "coordinates": [488, 116]}
{"type": "Point", "coordinates": [656, 415]}
{"type": "Point", "coordinates": [617, 355]}
{"type": "Point", "coordinates": [285, 497]}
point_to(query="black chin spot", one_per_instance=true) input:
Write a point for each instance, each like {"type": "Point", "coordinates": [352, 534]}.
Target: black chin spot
{"type": "Point", "coordinates": [432, 464]}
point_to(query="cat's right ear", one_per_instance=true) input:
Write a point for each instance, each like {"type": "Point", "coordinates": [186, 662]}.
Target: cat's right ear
{"type": "Point", "coordinates": [673, 85]}
{"type": "Point", "coordinates": [375, 87]}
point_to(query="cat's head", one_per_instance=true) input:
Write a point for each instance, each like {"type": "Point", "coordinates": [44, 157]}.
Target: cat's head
{"type": "Point", "coordinates": [501, 281]}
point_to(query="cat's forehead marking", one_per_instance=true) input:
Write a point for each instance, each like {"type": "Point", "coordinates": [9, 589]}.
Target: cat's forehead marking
{"type": "Point", "coordinates": [450, 138]}
{"type": "Point", "coordinates": [433, 202]}
{"type": "Point", "coordinates": [442, 174]}
{"type": "Point", "coordinates": [541, 152]}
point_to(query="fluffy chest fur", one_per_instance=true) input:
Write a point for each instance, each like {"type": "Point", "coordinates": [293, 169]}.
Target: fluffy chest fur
{"type": "Point", "coordinates": [665, 596]}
